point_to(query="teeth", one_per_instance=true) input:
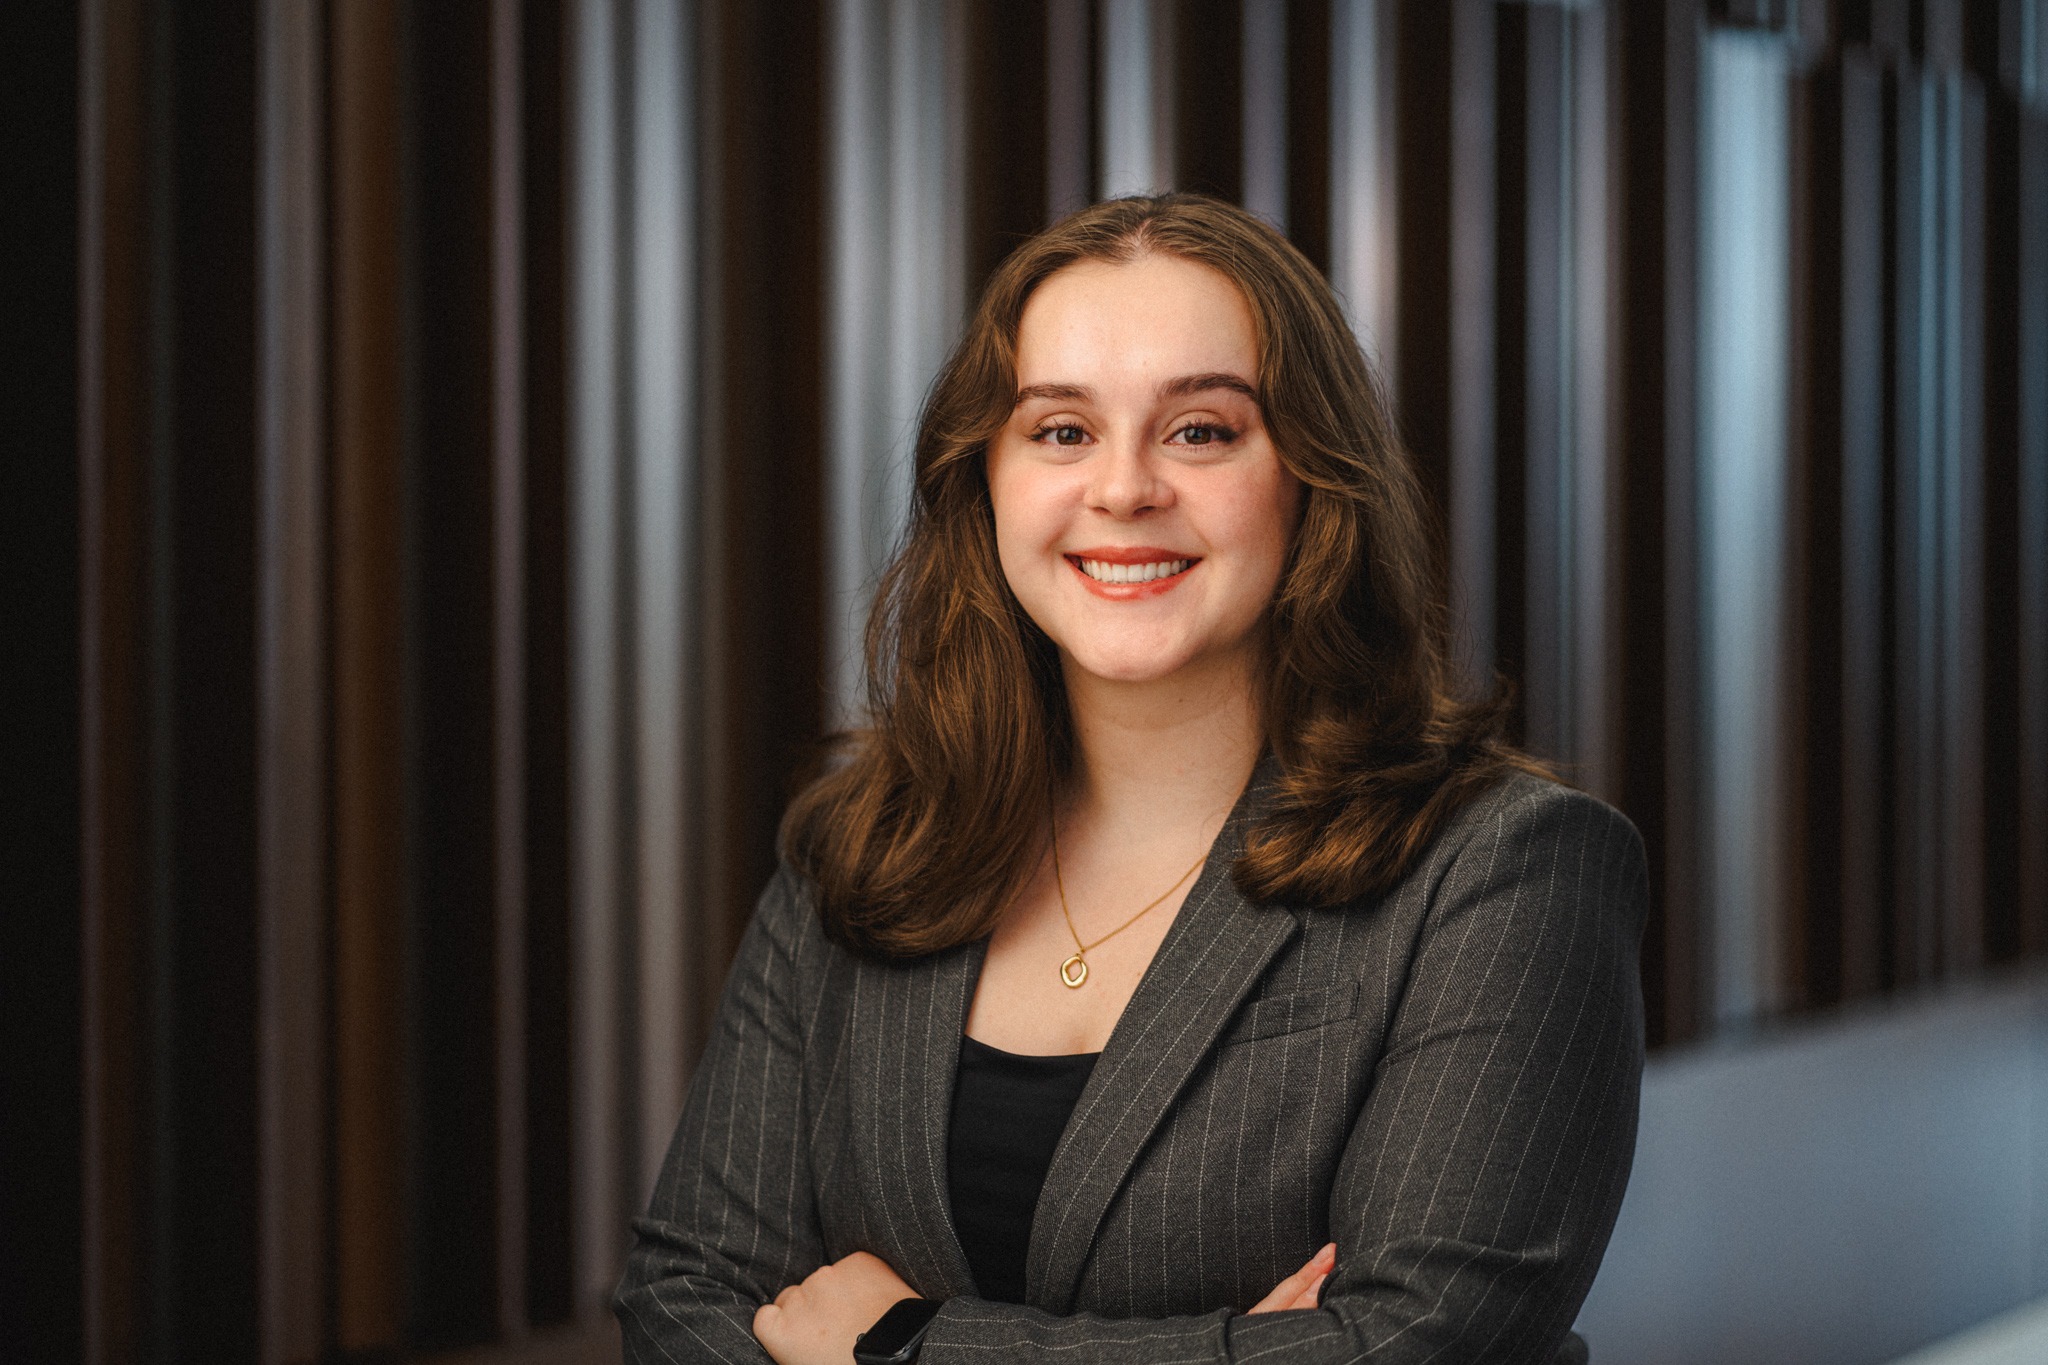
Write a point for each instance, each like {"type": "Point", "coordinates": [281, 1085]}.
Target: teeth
{"type": "Point", "coordinates": [1104, 572]}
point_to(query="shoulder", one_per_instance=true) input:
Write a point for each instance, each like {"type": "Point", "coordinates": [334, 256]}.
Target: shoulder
{"type": "Point", "coordinates": [787, 911]}
{"type": "Point", "coordinates": [1538, 841]}
{"type": "Point", "coordinates": [1523, 806]}
{"type": "Point", "coordinates": [785, 934]}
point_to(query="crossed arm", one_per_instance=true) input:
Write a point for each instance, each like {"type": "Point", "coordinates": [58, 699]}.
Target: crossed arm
{"type": "Point", "coordinates": [1470, 1208]}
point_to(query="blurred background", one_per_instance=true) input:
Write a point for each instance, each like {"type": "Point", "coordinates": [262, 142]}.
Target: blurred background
{"type": "Point", "coordinates": [451, 444]}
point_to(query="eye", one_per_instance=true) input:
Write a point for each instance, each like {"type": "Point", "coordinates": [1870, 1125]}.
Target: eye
{"type": "Point", "coordinates": [1205, 434]}
{"type": "Point", "coordinates": [1059, 434]}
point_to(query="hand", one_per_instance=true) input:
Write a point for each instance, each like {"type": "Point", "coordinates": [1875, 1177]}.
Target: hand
{"type": "Point", "coordinates": [1303, 1287]}
{"type": "Point", "coordinates": [816, 1322]}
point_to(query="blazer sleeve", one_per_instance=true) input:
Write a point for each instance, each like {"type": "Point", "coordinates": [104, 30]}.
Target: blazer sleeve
{"type": "Point", "coordinates": [1482, 1177]}
{"type": "Point", "coordinates": [732, 1219]}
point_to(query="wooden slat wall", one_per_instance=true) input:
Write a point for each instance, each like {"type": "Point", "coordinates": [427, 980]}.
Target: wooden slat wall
{"type": "Point", "coordinates": [483, 408]}
{"type": "Point", "coordinates": [366, 462]}
{"type": "Point", "coordinates": [292, 687]}
{"type": "Point", "coordinates": [506, 110]}
{"type": "Point", "coordinates": [544, 597]}
{"type": "Point", "coordinates": [112, 408]}
{"type": "Point", "coordinates": [1656, 47]}
{"type": "Point", "coordinates": [51, 105]}
{"type": "Point", "coordinates": [200, 987]}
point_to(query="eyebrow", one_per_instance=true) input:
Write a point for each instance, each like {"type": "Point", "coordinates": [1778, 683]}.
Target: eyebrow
{"type": "Point", "coordinates": [1187, 386]}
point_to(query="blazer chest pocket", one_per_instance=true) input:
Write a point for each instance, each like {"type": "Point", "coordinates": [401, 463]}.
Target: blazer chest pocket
{"type": "Point", "coordinates": [1273, 1016]}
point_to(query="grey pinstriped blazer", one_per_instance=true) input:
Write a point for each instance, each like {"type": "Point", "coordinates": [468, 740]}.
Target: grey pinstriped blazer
{"type": "Point", "coordinates": [1443, 1081]}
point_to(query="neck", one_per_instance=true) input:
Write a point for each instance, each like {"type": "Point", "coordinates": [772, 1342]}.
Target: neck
{"type": "Point", "coordinates": [1160, 757]}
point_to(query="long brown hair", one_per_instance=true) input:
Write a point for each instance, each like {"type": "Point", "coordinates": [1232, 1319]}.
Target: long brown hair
{"type": "Point", "coordinates": [927, 821]}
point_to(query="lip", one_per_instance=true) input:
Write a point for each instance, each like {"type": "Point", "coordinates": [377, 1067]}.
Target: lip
{"type": "Point", "coordinates": [1130, 554]}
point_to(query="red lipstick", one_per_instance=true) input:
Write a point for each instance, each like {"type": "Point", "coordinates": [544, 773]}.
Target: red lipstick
{"type": "Point", "coordinates": [1131, 554]}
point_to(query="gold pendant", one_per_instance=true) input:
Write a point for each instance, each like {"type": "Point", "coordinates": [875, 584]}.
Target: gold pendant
{"type": "Point", "coordinates": [1074, 971]}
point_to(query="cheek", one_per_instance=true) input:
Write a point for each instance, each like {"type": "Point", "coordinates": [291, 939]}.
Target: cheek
{"type": "Point", "coordinates": [1026, 513]}
{"type": "Point", "coordinates": [1265, 516]}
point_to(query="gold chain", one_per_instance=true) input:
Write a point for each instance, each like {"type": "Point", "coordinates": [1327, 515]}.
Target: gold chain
{"type": "Point", "coordinates": [1074, 971]}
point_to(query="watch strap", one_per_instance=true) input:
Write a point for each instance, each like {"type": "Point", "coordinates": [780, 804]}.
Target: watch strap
{"type": "Point", "coordinates": [897, 1335]}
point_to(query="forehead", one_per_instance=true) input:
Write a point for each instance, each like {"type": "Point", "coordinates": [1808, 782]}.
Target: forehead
{"type": "Point", "coordinates": [1096, 323]}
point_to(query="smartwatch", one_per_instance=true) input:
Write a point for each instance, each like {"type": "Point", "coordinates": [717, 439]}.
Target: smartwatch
{"type": "Point", "coordinates": [897, 1334]}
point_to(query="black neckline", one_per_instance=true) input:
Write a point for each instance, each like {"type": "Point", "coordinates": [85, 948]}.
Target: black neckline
{"type": "Point", "coordinates": [1060, 1061]}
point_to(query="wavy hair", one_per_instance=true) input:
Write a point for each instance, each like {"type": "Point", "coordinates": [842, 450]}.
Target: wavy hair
{"type": "Point", "coordinates": [922, 826]}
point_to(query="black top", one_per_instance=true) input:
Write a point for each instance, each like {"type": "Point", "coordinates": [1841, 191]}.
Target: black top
{"type": "Point", "coordinates": [1008, 1114]}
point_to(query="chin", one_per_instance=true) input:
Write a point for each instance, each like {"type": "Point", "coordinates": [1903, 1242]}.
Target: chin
{"type": "Point", "coordinates": [1126, 665]}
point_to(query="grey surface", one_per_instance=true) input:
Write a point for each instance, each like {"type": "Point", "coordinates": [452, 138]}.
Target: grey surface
{"type": "Point", "coordinates": [1838, 1193]}
{"type": "Point", "coordinates": [2019, 1337]}
{"type": "Point", "coordinates": [1443, 1082]}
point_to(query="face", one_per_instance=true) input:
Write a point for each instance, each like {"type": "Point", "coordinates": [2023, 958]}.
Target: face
{"type": "Point", "coordinates": [1142, 515]}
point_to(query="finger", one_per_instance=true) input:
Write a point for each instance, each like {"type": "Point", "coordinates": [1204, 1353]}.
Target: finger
{"type": "Point", "coordinates": [1312, 1296]}
{"type": "Point", "coordinates": [1290, 1290]}
{"type": "Point", "coordinates": [1287, 1291]}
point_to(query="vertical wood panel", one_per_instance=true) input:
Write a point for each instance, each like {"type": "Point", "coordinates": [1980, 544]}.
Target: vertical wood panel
{"type": "Point", "coordinates": [1655, 50]}
{"type": "Point", "coordinates": [551, 1156]}
{"type": "Point", "coordinates": [899, 247]}
{"type": "Point", "coordinates": [2002, 402]}
{"type": "Point", "coordinates": [857, 398]}
{"type": "Point", "coordinates": [763, 152]}
{"type": "Point", "coordinates": [1744, 524]}
{"type": "Point", "coordinates": [1591, 454]}
{"type": "Point", "coordinates": [112, 491]}
{"type": "Point", "coordinates": [206, 1266]}
{"type": "Point", "coordinates": [598, 677]}
{"type": "Point", "coordinates": [1134, 152]}
{"type": "Point", "coordinates": [1204, 74]}
{"type": "Point", "coordinates": [1445, 304]}
{"type": "Point", "coordinates": [660, 478]}
{"type": "Point", "coordinates": [1811, 937]}
{"type": "Point", "coordinates": [1070, 105]}
{"type": "Point", "coordinates": [509, 652]}
{"type": "Point", "coordinates": [1865, 773]}
{"type": "Point", "coordinates": [1846, 876]}
{"type": "Point", "coordinates": [1484, 536]}
{"type": "Point", "coordinates": [1817, 599]}
{"type": "Point", "coordinates": [2032, 567]}
{"type": "Point", "coordinates": [450, 729]}
{"type": "Point", "coordinates": [1915, 532]}
{"type": "Point", "coordinates": [1535, 377]}
{"type": "Point", "coordinates": [1961, 114]}
{"type": "Point", "coordinates": [369, 793]}
{"type": "Point", "coordinates": [1361, 204]}
{"type": "Point", "coordinates": [1311, 51]}
{"type": "Point", "coordinates": [1264, 97]}
{"type": "Point", "coordinates": [292, 776]}
{"type": "Point", "coordinates": [1013, 105]}
{"type": "Point", "coordinates": [45, 1072]}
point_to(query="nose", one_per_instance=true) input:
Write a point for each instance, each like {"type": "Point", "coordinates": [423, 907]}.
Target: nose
{"type": "Point", "coordinates": [1125, 479]}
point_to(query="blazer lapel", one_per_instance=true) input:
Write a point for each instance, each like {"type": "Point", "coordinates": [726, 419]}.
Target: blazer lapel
{"type": "Point", "coordinates": [908, 1018]}
{"type": "Point", "coordinates": [1218, 947]}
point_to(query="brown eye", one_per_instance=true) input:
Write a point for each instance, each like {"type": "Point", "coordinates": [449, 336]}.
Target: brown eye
{"type": "Point", "coordinates": [1199, 436]}
{"type": "Point", "coordinates": [1067, 436]}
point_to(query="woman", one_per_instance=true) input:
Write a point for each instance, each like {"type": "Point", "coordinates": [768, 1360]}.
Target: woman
{"type": "Point", "coordinates": [1174, 970]}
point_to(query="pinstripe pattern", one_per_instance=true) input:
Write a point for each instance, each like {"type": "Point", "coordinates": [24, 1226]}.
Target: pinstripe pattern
{"type": "Point", "coordinates": [1443, 1082]}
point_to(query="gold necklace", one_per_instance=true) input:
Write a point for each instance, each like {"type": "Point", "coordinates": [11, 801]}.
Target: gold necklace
{"type": "Point", "coordinates": [1074, 971]}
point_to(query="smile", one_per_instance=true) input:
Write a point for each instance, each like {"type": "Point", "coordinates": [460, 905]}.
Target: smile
{"type": "Point", "coordinates": [1102, 571]}
{"type": "Point", "coordinates": [1124, 580]}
